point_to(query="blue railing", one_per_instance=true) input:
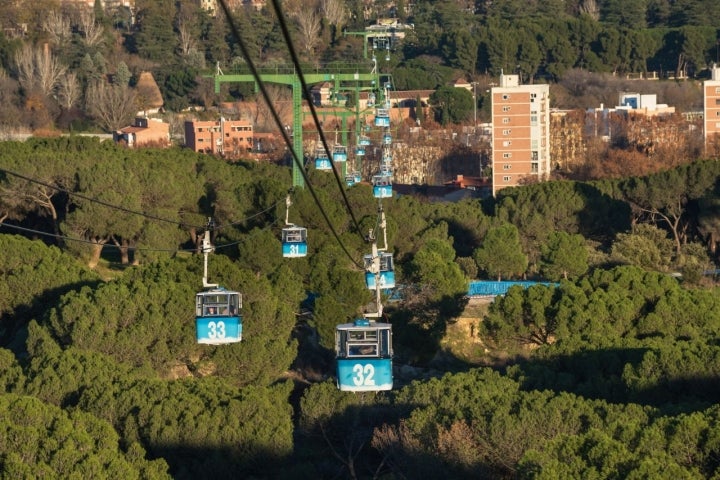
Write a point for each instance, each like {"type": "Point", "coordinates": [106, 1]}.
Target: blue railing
{"type": "Point", "coordinates": [488, 288]}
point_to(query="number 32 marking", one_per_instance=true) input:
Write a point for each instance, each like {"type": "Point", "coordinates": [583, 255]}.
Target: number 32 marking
{"type": "Point", "coordinates": [363, 375]}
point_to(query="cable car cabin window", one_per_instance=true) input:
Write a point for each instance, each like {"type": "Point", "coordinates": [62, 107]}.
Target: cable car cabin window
{"type": "Point", "coordinates": [217, 304]}
{"type": "Point", "coordinates": [364, 343]}
{"type": "Point", "coordinates": [386, 261]}
{"type": "Point", "coordinates": [294, 235]}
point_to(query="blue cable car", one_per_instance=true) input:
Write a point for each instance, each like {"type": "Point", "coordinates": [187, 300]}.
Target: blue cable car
{"type": "Point", "coordinates": [364, 140]}
{"type": "Point", "coordinates": [360, 150]}
{"type": "Point", "coordinates": [382, 186]}
{"type": "Point", "coordinates": [387, 156]}
{"type": "Point", "coordinates": [294, 241]}
{"type": "Point", "coordinates": [382, 117]}
{"type": "Point", "coordinates": [339, 153]}
{"type": "Point", "coordinates": [352, 178]}
{"type": "Point", "coordinates": [387, 271]}
{"type": "Point", "coordinates": [385, 170]}
{"type": "Point", "coordinates": [363, 351]}
{"type": "Point", "coordinates": [322, 162]}
{"type": "Point", "coordinates": [217, 317]}
{"type": "Point", "coordinates": [387, 139]}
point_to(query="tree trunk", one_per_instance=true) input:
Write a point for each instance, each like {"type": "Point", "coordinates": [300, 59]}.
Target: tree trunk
{"type": "Point", "coordinates": [96, 250]}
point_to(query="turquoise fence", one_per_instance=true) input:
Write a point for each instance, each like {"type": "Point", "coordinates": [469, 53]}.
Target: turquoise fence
{"type": "Point", "coordinates": [487, 288]}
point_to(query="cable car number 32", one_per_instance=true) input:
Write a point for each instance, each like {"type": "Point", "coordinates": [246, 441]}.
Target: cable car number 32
{"type": "Point", "coordinates": [363, 374]}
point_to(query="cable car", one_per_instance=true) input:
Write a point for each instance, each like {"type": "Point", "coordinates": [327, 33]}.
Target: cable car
{"type": "Point", "coordinates": [352, 178]}
{"type": "Point", "coordinates": [322, 162]}
{"type": "Point", "coordinates": [386, 274]}
{"type": "Point", "coordinates": [382, 186]}
{"type": "Point", "coordinates": [385, 170]}
{"type": "Point", "coordinates": [294, 241]}
{"type": "Point", "coordinates": [386, 156]}
{"type": "Point", "coordinates": [217, 317]}
{"type": "Point", "coordinates": [364, 140]}
{"type": "Point", "coordinates": [363, 351]}
{"type": "Point", "coordinates": [371, 99]}
{"type": "Point", "coordinates": [360, 150]}
{"type": "Point", "coordinates": [339, 153]}
{"type": "Point", "coordinates": [382, 117]}
{"type": "Point", "coordinates": [387, 139]}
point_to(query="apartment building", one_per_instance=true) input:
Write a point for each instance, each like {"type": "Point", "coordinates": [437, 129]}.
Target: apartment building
{"type": "Point", "coordinates": [520, 133]}
{"type": "Point", "coordinates": [711, 112]}
{"type": "Point", "coordinates": [222, 137]}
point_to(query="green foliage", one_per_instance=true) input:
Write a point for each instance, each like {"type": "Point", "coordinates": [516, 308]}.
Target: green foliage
{"type": "Point", "coordinates": [43, 440]}
{"type": "Point", "coordinates": [433, 266]}
{"type": "Point", "coordinates": [647, 247]}
{"type": "Point", "coordinates": [451, 104]}
{"type": "Point", "coordinates": [501, 253]}
{"type": "Point", "coordinates": [564, 256]}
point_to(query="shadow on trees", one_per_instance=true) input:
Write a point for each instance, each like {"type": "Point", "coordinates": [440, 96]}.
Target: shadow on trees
{"type": "Point", "coordinates": [14, 325]}
{"type": "Point", "coordinates": [606, 374]}
{"type": "Point", "coordinates": [218, 463]}
{"type": "Point", "coordinates": [602, 216]}
{"type": "Point", "coordinates": [465, 240]}
{"type": "Point", "coordinates": [418, 329]}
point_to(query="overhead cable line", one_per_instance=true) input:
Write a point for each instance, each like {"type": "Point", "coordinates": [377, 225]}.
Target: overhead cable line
{"type": "Point", "coordinates": [139, 249]}
{"type": "Point", "coordinates": [308, 96]}
{"type": "Point", "coordinates": [134, 212]}
{"type": "Point", "coordinates": [279, 123]}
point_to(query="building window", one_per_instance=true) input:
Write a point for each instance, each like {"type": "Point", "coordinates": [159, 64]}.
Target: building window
{"type": "Point", "coordinates": [534, 167]}
{"type": "Point", "coordinates": [717, 114]}
{"type": "Point", "coordinates": [506, 108]}
{"type": "Point", "coordinates": [507, 155]}
{"type": "Point", "coordinates": [717, 89]}
{"type": "Point", "coordinates": [506, 131]}
{"type": "Point", "coordinates": [717, 101]}
{"type": "Point", "coordinates": [507, 166]}
{"type": "Point", "coordinates": [717, 125]}
{"type": "Point", "coordinates": [534, 156]}
{"type": "Point", "coordinates": [506, 178]}
{"type": "Point", "coordinates": [534, 144]}
{"type": "Point", "coordinates": [506, 120]}
{"type": "Point", "coordinates": [533, 120]}
{"type": "Point", "coordinates": [507, 143]}
{"type": "Point", "coordinates": [506, 96]}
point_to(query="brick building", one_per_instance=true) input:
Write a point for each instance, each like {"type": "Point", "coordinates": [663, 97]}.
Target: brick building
{"type": "Point", "coordinates": [520, 132]}
{"type": "Point", "coordinates": [228, 138]}
{"type": "Point", "coordinates": [711, 112]}
{"type": "Point", "coordinates": [144, 132]}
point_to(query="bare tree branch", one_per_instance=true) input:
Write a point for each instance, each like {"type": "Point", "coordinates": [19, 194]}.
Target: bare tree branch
{"type": "Point", "coordinates": [38, 68]}
{"type": "Point", "coordinates": [58, 27]}
{"type": "Point", "coordinates": [112, 106]}
{"type": "Point", "coordinates": [68, 90]}
{"type": "Point", "coordinates": [92, 31]}
{"type": "Point", "coordinates": [309, 23]}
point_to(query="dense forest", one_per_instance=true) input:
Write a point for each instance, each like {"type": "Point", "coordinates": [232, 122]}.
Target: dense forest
{"type": "Point", "coordinates": [611, 371]}
{"type": "Point", "coordinates": [72, 69]}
